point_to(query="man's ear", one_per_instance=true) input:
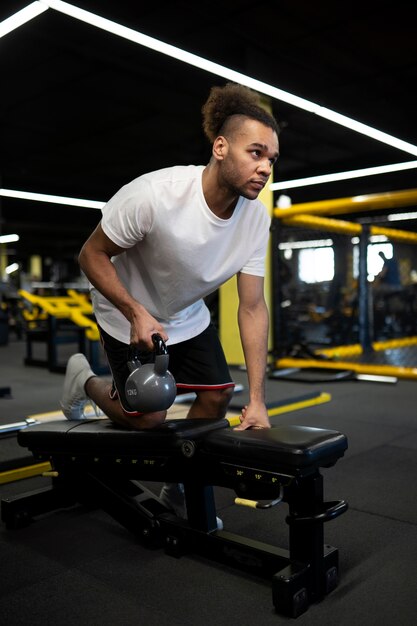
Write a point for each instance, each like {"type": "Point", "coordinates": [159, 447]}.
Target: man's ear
{"type": "Point", "coordinates": [220, 148]}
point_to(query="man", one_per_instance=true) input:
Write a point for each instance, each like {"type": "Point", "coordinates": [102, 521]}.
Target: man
{"type": "Point", "coordinates": [389, 276]}
{"type": "Point", "coordinates": [168, 239]}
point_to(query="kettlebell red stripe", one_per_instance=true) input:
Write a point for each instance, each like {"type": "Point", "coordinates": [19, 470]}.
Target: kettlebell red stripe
{"type": "Point", "coordinates": [187, 387]}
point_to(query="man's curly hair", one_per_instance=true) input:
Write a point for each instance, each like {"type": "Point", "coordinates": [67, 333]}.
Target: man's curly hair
{"type": "Point", "coordinates": [232, 99]}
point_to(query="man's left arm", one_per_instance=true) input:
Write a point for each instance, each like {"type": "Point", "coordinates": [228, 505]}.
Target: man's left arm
{"type": "Point", "coordinates": [253, 321]}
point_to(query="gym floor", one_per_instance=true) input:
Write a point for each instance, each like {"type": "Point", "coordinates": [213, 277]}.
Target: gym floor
{"type": "Point", "coordinates": [81, 567]}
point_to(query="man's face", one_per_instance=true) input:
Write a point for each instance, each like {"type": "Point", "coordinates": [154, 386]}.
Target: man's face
{"type": "Point", "coordinates": [248, 156]}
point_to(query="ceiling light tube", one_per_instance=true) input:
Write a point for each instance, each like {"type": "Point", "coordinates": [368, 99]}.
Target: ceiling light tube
{"type": "Point", "coordinates": [311, 243]}
{"type": "Point", "coordinates": [229, 74]}
{"type": "Point", "coordinates": [330, 178]}
{"type": "Point", "coordinates": [9, 238]}
{"type": "Point", "coordinates": [43, 197]}
{"type": "Point", "coordinates": [13, 267]}
{"type": "Point", "coordinates": [399, 217]}
{"type": "Point", "coordinates": [21, 17]}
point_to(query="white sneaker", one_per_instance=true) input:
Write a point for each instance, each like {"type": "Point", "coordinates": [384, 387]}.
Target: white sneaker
{"type": "Point", "coordinates": [74, 397]}
{"type": "Point", "coordinates": [172, 496]}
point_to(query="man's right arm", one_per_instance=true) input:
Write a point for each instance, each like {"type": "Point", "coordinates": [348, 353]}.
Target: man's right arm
{"type": "Point", "coordinates": [95, 261]}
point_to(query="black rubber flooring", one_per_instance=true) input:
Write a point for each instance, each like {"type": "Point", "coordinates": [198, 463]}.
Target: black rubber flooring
{"type": "Point", "coordinates": [81, 567]}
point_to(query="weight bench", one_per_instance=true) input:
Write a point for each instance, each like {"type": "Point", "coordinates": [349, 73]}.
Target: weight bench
{"type": "Point", "coordinates": [97, 464]}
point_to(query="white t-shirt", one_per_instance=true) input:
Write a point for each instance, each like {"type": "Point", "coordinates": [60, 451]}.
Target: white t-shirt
{"type": "Point", "coordinates": [178, 251]}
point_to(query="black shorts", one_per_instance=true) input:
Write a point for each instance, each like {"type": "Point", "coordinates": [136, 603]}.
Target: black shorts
{"type": "Point", "coordinates": [197, 364]}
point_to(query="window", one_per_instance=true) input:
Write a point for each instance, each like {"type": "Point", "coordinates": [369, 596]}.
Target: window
{"type": "Point", "coordinates": [316, 265]}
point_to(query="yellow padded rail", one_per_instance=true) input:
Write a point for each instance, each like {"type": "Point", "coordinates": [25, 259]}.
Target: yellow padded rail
{"type": "Point", "coordinates": [359, 368]}
{"type": "Point", "coordinates": [324, 223]}
{"type": "Point", "coordinates": [356, 204]}
{"type": "Point", "coordinates": [344, 227]}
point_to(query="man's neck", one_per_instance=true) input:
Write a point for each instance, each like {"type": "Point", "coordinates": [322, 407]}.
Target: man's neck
{"type": "Point", "coordinates": [221, 201]}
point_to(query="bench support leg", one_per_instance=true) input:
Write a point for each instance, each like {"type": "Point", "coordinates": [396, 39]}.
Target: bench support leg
{"type": "Point", "coordinates": [299, 585]}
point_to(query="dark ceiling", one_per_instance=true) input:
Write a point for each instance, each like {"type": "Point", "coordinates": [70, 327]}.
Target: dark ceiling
{"type": "Point", "coordinates": [84, 111]}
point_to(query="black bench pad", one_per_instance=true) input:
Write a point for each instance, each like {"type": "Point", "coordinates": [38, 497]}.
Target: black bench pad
{"type": "Point", "coordinates": [286, 445]}
{"type": "Point", "coordinates": [102, 435]}
{"type": "Point", "coordinates": [290, 445]}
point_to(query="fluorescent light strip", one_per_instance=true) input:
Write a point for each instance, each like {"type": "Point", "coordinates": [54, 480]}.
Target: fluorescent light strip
{"type": "Point", "coordinates": [21, 17]}
{"type": "Point", "coordinates": [12, 268]}
{"type": "Point", "coordinates": [330, 178]}
{"type": "Point", "coordinates": [229, 74]}
{"type": "Point", "coordinates": [400, 217]}
{"type": "Point", "coordinates": [9, 238]}
{"type": "Point", "coordinates": [43, 197]}
{"type": "Point", "coordinates": [313, 243]}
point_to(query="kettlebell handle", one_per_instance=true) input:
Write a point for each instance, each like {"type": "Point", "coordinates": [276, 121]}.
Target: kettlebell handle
{"type": "Point", "coordinates": [159, 344]}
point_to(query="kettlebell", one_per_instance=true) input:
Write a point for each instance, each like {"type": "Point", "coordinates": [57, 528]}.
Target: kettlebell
{"type": "Point", "coordinates": [151, 387]}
